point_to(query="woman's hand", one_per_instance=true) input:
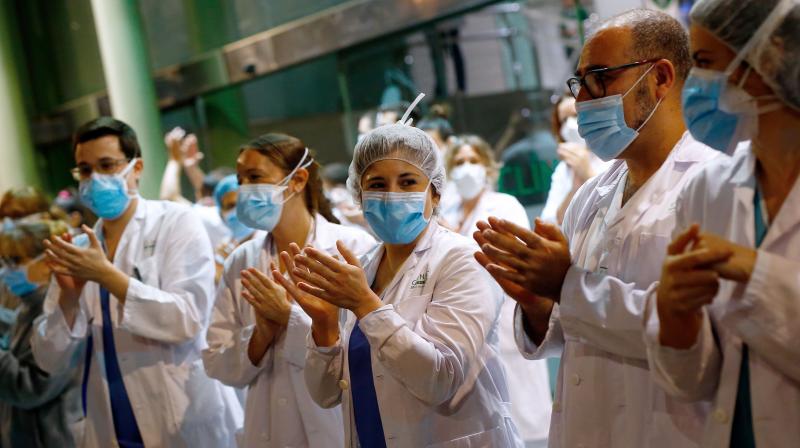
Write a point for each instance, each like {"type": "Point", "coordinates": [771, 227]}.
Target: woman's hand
{"type": "Point", "coordinates": [324, 316]}
{"type": "Point", "coordinates": [739, 267]}
{"type": "Point", "coordinates": [343, 284]}
{"type": "Point", "coordinates": [267, 297]}
{"type": "Point", "coordinates": [688, 282]}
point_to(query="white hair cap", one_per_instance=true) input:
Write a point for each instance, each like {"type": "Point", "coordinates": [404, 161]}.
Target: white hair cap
{"type": "Point", "coordinates": [765, 33]}
{"type": "Point", "coordinates": [399, 141]}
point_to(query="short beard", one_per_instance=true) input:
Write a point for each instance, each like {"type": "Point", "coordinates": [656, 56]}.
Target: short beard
{"type": "Point", "coordinates": [644, 105]}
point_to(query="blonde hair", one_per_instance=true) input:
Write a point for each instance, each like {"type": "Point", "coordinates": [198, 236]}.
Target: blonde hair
{"type": "Point", "coordinates": [26, 239]}
{"type": "Point", "coordinates": [23, 201]}
{"type": "Point", "coordinates": [481, 147]}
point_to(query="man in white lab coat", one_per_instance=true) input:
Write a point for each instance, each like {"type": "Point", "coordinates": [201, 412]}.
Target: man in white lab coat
{"type": "Point", "coordinates": [131, 307]}
{"type": "Point", "coordinates": [577, 291]}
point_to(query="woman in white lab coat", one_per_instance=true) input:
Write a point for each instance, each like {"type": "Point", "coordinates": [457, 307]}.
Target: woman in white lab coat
{"type": "Point", "coordinates": [472, 169]}
{"type": "Point", "coordinates": [257, 336]}
{"type": "Point", "coordinates": [414, 362]}
{"type": "Point", "coordinates": [132, 308]}
{"type": "Point", "coordinates": [725, 325]}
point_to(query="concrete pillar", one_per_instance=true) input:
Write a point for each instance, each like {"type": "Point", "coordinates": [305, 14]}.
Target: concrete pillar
{"type": "Point", "coordinates": [123, 49]}
{"type": "Point", "coordinates": [17, 153]}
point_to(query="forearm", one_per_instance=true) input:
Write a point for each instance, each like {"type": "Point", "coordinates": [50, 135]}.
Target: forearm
{"type": "Point", "coordinates": [536, 319]}
{"type": "Point", "coordinates": [115, 282]}
{"type": "Point", "coordinates": [171, 181]}
{"type": "Point", "coordinates": [196, 176]}
{"type": "Point", "coordinates": [260, 341]}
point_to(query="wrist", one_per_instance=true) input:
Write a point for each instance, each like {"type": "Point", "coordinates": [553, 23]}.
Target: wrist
{"type": "Point", "coordinates": [325, 334]}
{"type": "Point", "coordinates": [368, 305]}
{"type": "Point", "coordinates": [679, 330]}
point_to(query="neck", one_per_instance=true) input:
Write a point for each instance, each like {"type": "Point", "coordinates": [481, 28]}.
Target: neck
{"type": "Point", "coordinates": [649, 151]}
{"type": "Point", "coordinates": [469, 204]}
{"type": "Point", "coordinates": [113, 228]}
{"type": "Point", "coordinates": [296, 224]}
{"type": "Point", "coordinates": [777, 149]}
{"type": "Point", "coordinates": [397, 254]}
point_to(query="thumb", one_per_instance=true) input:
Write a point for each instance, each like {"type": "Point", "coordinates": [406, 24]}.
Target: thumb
{"type": "Point", "coordinates": [93, 241]}
{"type": "Point", "coordinates": [549, 231]}
{"type": "Point", "coordinates": [348, 256]}
{"type": "Point", "coordinates": [681, 242]}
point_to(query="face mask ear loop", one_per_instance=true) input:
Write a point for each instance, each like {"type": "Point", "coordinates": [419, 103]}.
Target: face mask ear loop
{"type": "Point", "coordinates": [639, 80]}
{"type": "Point", "coordinates": [651, 115]}
{"type": "Point", "coordinates": [405, 121]}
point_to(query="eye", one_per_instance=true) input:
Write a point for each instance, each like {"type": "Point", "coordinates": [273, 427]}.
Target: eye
{"type": "Point", "coordinates": [107, 166]}
{"type": "Point", "coordinates": [376, 185]}
{"type": "Point", "coordinates": [408, 182]}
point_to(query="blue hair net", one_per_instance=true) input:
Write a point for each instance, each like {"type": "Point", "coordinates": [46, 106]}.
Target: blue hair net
{"type": "Point", "coordinates": [226, 185]}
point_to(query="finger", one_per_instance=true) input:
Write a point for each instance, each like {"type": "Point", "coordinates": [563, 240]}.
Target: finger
{"type": "Point", "coordinates": [312, 278]}
{"type": "Point", "coordinates": [483, 225]}
{"type": "Point", "coordinates": [482, 259]}
{"type": "Point", "coordinates": [680, 243]}
{"type": "Point", "coordinates": [316, 292]}
{"type": "Point", "coordinates": [549, 231]}
{"type": "Point", "coordinates": [478, 237]}
{"type": "Point", "coordinates": [349, 257]}
{"type": "Point", "coordinates": [288, 262]}
{"type": "Point", "coordinates": [504, 257]}
{"type": "Point", "coordinates": [505, 242]}
{"type": "Point", "coordinates": [262, 278]}
{"type": "Point", "coordinates": [312, 265]}
{"type": "Point", "coordinates": [255, 286]}
{"type": "Point", "coordinates": [58, 252]}
{"type": "Point", "coordinates": [334, 266]}
{"type": "Point", "coordinates": [499, 272]}
{"type": "Point", "coordinates": [698, 258]}
{"type": "Point", "coordinates": [692, 299]}
{"type": "Point", "coordinates": [294, 249]}
{"type": "Point", "coordinates": [93, 241]}
{"type": "Point", "coordinates": [696, 278]}
{"type": "Point", "coordinates": [528, 237]}
{"type": "Point", "coordinates": [61, 246]}
{"type": "Point", "coordinates": [287, 285]}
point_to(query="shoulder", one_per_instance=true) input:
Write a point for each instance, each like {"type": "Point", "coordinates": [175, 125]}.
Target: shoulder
{"type": "Point", "coordinates": [709, 179]}
{"type": "Point", "coordinates": [356, 239]}
{"type": "Point", "coordinates": [452, 248]}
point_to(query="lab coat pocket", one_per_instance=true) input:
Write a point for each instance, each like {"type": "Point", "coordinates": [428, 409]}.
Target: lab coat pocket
{"type": "Point", "coordinates": [412, 308]}
{"type": "Point", "coordinates": [146, 271]}
{"type": "Point", "coordinates": [496, 437]}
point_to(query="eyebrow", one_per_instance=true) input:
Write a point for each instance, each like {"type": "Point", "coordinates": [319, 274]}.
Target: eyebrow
{"type": "Point", "coordinates": [696, 54]}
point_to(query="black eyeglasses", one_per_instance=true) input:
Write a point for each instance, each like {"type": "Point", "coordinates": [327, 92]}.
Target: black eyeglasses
{"type": "Point", "coordinates": [595, 80]}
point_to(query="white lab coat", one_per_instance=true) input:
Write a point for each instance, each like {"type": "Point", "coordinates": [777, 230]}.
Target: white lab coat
{"type": "Point", "coordinates": [528, 381]}
{"type": "Point", "coordinates": [763, 313]}
{"type": "Point", "coordinates": [216, 228]}
{"type": "Point", "coordinates": [561, 184]}
{"type": "Point", "coordinates": [158, 333]}
{"type": "Point", "coordinates": [605, 394]}
{"type": "Point", "coordinates": [491, 203]}
{"type": "Point", "coordinates": [279, 410]}
{"type": "Point", "coordinates": [437, 376]}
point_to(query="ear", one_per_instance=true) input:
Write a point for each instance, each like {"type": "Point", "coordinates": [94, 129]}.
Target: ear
{"type": "Point", "coordinates": [299, 180]}
{"type": "Point", "coordinates": [665, 77]}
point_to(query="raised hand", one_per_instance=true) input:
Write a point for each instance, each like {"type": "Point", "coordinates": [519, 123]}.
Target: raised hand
{"type": "Point", "coordinates": [688, 282]}
{"type": "Point", "coordinates": [267, 297]}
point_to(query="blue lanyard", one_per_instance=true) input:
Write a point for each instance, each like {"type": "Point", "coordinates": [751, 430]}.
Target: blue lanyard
{"type": "Point", "coordinates": [369, 426]}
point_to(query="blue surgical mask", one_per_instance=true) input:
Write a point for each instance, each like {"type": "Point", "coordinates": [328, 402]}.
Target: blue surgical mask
{"type": "Point", "coordinates": [601, 122]}
{"type": "Point", "coordinates": [396, 218]}
{"type": "Point", "coordinates": [107, 194]}
{"type": "Point", "coordinates": [259, 206]}
{"type": "Point", "coordinates": [719, 113]}
{"type": "Point", "coordinates": [16, 279]}
{"type": "Point", "coordinates": [238, 230]}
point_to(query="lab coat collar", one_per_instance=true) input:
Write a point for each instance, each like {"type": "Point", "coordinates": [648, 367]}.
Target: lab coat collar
{"type": "Point", "coordinates": [132, 228]}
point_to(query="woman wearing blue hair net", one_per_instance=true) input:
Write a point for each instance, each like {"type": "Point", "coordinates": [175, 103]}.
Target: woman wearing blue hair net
{"type": "Point", "coordinates": [225, 194]}
{"type": "Point", "coordinates": [414, 360]}
{"type": "Point", "coordinates": [725, 325]}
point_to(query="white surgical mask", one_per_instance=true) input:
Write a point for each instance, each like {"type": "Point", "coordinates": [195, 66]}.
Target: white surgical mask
{"type": "Point", "coordinates": [469, 178]}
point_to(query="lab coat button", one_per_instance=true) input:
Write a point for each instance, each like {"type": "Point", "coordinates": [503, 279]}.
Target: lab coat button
{"type": "Point", "coordinates": [343, 385]}
{"type": "Point", "coordinates": [576, 380]}
{"type": "Point", "coordinates": [720, 416]}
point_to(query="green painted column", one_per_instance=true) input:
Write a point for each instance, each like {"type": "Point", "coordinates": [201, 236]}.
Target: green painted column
{"type": "Point", "coordinates": [17, 152]}
{"type": "Point", "coordinates": [123, 49]}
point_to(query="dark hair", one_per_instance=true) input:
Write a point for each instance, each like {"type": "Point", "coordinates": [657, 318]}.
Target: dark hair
{"type": "Point", "coordinates": [103, 126]}
{"type": "Point", "coordinates": [286, 153]}
{"type": "Point", "coordinates": [655, 35]}
{"type": "Point", "coordinates": [437, 120]}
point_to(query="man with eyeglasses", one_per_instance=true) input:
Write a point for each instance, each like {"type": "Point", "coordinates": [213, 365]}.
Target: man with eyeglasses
{"type": "Point", "coordinates": [130, 306]}
{"type": "Point", "coordinates": [577, 290]}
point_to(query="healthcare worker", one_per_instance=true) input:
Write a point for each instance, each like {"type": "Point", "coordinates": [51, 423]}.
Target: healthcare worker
{"type": "Point", "coordinates": [132, 308]}
{"type": "Point", "coordinates": [257, 337]}
{"type": "Point", "coordinates": [728, 331]}
{"type": "Point", "coordinates": [37, 409]}
{"type": "Point", "coordinates": [472, 169]}
{"type": "Point", "coordinates": [616, 230]}
{"type": "Point", "coordinates": [225, 197]}
{"type": "Point", "coordinates": [415, 361]}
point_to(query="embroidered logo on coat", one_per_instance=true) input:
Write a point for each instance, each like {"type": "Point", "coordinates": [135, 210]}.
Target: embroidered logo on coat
{"type": "Point", "coordinates": [420, 281]}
